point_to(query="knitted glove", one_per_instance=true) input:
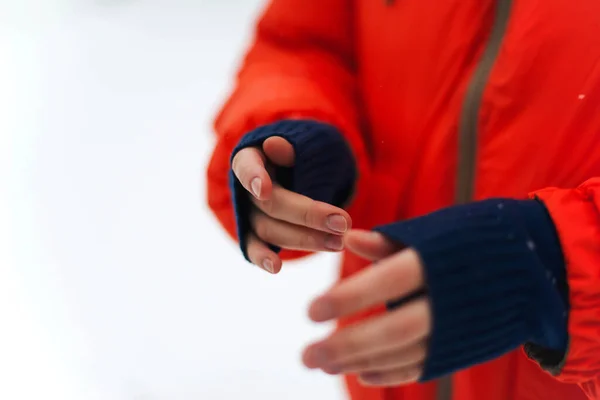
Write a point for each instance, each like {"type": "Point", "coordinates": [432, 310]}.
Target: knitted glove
{"type": "Point", "coordinates": [495, 278]}
{"type": "Point", "coordinates": [324, 167]}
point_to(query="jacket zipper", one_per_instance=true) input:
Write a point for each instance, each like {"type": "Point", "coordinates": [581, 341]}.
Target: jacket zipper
{"type": "Point", "coordinates": [468, 127]}
{"type": "Point", "coordinates": [469, 118]}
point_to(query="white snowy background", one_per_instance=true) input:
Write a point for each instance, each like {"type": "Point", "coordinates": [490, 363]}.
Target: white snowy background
{"type": "Point", "coordinates": [115, 281]}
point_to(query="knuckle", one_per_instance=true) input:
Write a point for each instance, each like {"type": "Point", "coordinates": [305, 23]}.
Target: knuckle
{"type": "Point", "coordinates": [306, 216]}
{"type": "Point", "coordinates": [312, 218]}
{"type": "Point", "coordinates": [309, 214]}
{"type": "Point", "coordinates": [308, 241]}
{"type": "Point", "coordinates": [268, 206]}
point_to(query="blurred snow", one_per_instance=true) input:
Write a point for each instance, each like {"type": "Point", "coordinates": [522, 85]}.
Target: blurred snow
{"type": "Point", "coordinates": [115, 280]}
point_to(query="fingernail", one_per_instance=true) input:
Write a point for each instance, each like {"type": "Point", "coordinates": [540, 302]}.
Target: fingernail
{"type": "Point", "coordinates": [335, 243]}
{"type": "Point", "coordinates": [337, 223]}
{"type": "Point", "coordinates": [267, 264]}
{"type": "Point", "coordinates": [256, 184]}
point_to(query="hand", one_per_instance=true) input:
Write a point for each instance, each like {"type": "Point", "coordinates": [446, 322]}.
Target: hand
{"type": "Point", "coordinates": [281, 217]}
{"type": "Point", "coordinates": [386, 350]}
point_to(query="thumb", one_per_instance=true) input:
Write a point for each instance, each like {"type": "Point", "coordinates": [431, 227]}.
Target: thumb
{"type": "Point", "coordinates": [372, 246]}
{"type": "Point", "coordinates": [279, 151]}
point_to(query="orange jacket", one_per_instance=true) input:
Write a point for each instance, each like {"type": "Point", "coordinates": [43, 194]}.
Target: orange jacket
{"type": "Point", "coordinates": [444, 102]}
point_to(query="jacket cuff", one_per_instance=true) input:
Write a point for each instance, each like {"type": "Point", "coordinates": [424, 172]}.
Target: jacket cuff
{"type": "Point", "coordinates": [575, 213]}
{"type": "Point", "coordinates": [549, 349]}
{"type": "Point", "coordinates": [489, 289]}
{"type": "Point", "coordinates": [324, 167]}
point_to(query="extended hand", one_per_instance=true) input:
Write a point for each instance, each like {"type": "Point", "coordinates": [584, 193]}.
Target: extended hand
{"type": "Point", "coordinates": [385, 350]}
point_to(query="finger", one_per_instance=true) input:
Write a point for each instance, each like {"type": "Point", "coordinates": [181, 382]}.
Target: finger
{"type": "Point", "coordinates": [392, 278]}
{"type": "Point", "coordinates": [288, 236]}
{"type": "Point", "coordinates": [300, 210]}
{"type": "Point", "coordinates": [248, 165]}
{"type": "Point", "coordinates": [279, 151]}
{"type": "Point", "coordinates": [372, 246]}
{"type": "Point", "coordinates": [392, 331]}
{"type": "Point", "coordinates": [397, 377]}
{"type": "Point", "coordinates": [401, 358]}
{"type": "Point", "coordinates": [261, 255]}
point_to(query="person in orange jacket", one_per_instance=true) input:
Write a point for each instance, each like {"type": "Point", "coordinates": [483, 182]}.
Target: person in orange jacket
{"type": "Point", "coordinates": [461, 141]}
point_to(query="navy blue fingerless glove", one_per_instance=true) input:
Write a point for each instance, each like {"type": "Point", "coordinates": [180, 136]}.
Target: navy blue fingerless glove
{"type": "Point", "coordinates": [324, 167]}
{"type": "Point", "coordinates": [496, 280]}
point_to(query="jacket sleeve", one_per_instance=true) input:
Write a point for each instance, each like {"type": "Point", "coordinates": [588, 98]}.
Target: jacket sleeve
{"type": "Point", "coordinates": [300, 66]}
{"type": "Point", "coordinates": [576, 215]}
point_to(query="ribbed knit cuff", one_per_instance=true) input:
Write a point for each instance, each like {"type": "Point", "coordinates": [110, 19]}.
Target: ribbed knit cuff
{"type": "Point", "coordinates": [489, 289]}
{"type": "Point", "coordinates": [324, 167]}
{"type": "Point", "coordinates": [549, 348]}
